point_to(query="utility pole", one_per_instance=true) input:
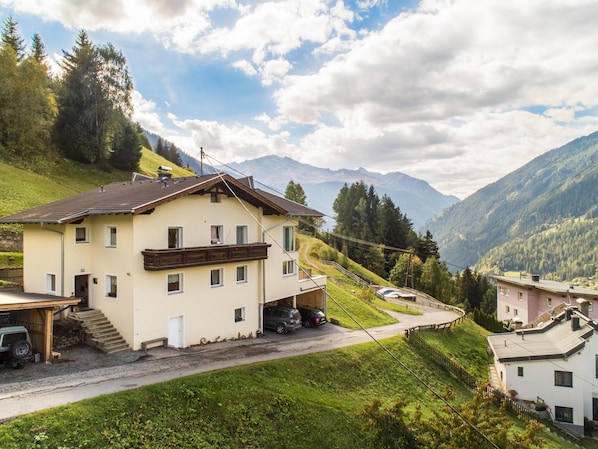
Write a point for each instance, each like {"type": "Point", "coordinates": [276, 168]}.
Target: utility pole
{"type": "Point", "coordinates": [201, 155]}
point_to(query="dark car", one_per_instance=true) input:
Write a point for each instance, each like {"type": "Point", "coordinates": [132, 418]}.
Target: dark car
{"type": "Point", "coordinates": [312, 316]}
{"type": "Point", "coordinates": [281, 319]}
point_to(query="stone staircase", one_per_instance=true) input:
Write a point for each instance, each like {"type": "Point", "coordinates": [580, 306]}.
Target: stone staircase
{"type": "Point", "coordinates": [99, 332]}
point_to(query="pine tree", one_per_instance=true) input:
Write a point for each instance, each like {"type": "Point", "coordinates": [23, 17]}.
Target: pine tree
{"type": "Point", "coordinates": [38, 49]}
{"type": "Point", "coordinates": [11, 38]}
{"type": "Point", "coordinates": [95, 96]}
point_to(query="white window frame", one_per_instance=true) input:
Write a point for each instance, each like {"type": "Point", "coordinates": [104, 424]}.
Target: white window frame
{"type": "Point", "coordinates": [177, 232]}
{"type": "Point", "coordinates": [216, 234]}
{"type": "Point", "coordinates": [548, 301]}
{"type": "Point", "coordinates": [241, 234]}
{"type": "Point", "coordinates": [243, 279]}
{"type": "Point", "coordinates": [217, 282]}
{"type": "Point", "coordinates": [111, 281]}
{"type": "Point", "coordinates": [288, 238]}
{"type": "Point", "coordinates": [239, 314]}
{"type": "Point", "coordinates": [288, 267]}
{"type": "Point", "coordinates": [111, 236]}
{"type": "Point", "coordinates": [50, 284]}
{"type": "Point", "coordinates": [179, 282]}
{"type": "Point", "coordinates": [520, 296]}
{"type": "Point", "coordinates": [86, 236]}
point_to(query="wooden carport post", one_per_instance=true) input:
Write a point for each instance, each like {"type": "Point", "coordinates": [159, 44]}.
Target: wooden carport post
{"type": "Point", "coordinates": [49, 334]}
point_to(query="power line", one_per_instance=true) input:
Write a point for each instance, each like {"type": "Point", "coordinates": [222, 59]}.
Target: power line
{"type": "Point", "coordinates": [378, 342]}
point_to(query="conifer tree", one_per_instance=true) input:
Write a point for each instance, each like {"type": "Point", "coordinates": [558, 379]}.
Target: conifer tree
{"type": "Point", "coordinates": [11, 37]}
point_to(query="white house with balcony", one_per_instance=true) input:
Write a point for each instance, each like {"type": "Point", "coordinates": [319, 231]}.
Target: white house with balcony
{"type": "Point", "coordinates": [190, 259]}
{"type": "Point", "coordinates": [555, 364]}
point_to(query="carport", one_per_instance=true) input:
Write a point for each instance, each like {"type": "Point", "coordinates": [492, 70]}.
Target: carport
{"type": "Point", "coordinates": [36, 313]}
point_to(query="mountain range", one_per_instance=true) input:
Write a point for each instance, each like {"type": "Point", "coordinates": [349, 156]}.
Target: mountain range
{"type": "Point", "coordinates": [416, 198]}
{"type": "Point", "coordinates": [541, 218]}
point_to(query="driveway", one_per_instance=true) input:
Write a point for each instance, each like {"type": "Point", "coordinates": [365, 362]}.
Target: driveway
{"type": "Point", "coordinates": [84, 373]}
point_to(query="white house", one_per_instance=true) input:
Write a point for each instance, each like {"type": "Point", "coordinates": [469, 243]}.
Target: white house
{"type": "Point", "coordinates": [530, 298]}
{"type": "Point", "coordinates": [556, 363]}
{"type": "Point", "coordinates": [193, 259]}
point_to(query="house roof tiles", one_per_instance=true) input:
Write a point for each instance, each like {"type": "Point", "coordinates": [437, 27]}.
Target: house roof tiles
{"type": "Point", "coordinates": [141, 196]}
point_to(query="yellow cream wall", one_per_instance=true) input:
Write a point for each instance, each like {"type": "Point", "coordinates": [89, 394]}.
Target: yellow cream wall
{"type": "Point", "coordinates": [208, 312]}
{"type": "Point", "coordinates": [277, 285]}
{"type": "Point", "coordinates": [119, 262]}
{"type": "Point", "coordinates": [42, 255]}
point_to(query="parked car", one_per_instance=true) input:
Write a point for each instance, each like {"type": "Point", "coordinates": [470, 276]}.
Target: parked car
{"type": "Point", "coordinates": [15, 345]}
{"type": "Point", "coordinates": [311, 316]}
{"type": "Point", "coordinates": [282, 319]}
{"type": "Point", "coordinates": [388, 293]}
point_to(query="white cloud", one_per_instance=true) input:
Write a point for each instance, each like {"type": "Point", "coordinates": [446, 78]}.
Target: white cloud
{"type": "Point", "coordinates": [146, 115]}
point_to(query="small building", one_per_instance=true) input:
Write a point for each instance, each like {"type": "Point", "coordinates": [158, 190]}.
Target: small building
{"type": "Point", "coordinates": [555, 364]}
{"type": "Point", "coordinates": [530, 298]}
{"type": "Point", "coordinates": [192, 260]}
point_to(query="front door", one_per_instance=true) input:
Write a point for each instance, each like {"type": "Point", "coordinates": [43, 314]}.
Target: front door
{"type": "Point", "coordinates": [175, 332]}
{"type": "Point", "coordinates": [594, 409]}
{"type": "Point", "coordinates": [82, 290]}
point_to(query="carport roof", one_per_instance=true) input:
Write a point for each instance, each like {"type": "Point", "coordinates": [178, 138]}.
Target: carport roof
{"type": "Point", "coordinates": [24, 301]}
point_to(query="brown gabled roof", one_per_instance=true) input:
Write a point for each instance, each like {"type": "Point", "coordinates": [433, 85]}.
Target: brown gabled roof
{"type": "Point", "coordinates": [142, 196]}
{"type": "Point", "coordinates": [293, 208]}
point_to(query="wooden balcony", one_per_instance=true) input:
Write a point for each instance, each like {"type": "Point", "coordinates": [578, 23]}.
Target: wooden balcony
{"type": "Point", "coordinates": [168, 259]}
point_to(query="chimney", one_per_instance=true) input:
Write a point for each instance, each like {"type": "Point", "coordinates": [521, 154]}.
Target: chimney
{"type": "Point", "coordinates": [575, 323]}
{"type": "Point", "coordinates": [584, 306]}
{"type": "Point", "coordinates": [535, 277]}
{"type": "Point", "coordinates": [516, 323]}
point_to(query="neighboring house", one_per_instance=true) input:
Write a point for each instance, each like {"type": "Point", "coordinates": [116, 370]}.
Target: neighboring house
{"type": "Point", "coordinates": [556, 364]}
{"type": "Point", "coordinates": [529, 298]}
{"type": "Point", "coordinates": [193, 259]}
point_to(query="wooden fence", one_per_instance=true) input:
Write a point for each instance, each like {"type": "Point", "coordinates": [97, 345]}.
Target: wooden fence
{"type": "Point", "coordinates": [521, 410]}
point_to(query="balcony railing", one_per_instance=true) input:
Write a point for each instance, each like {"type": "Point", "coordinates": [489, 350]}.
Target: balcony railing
{"type": "Point", "coordinates": [168, 259]}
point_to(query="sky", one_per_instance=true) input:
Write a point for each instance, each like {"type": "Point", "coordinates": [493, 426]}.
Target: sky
{"type": "Point", "coordinates": [458, 93]}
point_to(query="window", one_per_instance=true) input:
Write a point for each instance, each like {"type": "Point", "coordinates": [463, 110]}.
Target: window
{"type": "Point", "coordinates": [563, 378]}
{"type": "Point", "coordinates": [111, 237]}
{"type": "Point", "coordinates": [288, 267]}
{"type": "Point", "coordinates": [507, 309]}
{"type": "Point", "coordinates": [216, 234]}
{"type": "Point", "coordinates": [549, 302]}
{"type": "Point", "coordinates": [241, 235]}
{"type": "Point", "coordinates": [563, 414]}
{"type": "Point", "coordinates": [111, 286]}
{"type": "Point", "coordinates": [50, 284]}
{"type": "Point", "coordinates": [175, 283]}
{"type": "Point", "coordinates": [216, 277]}
{"type": "Point", "coordinates": [81, 235]}
{"type": "Point", "coordinates": [590, 303]}
{"type": "Point", "coordinates": [242, 274]}
{"type": "Point", "coordinates": [214, 198]}
{"type": "Point", "coordinates": [175, 237]}
{"type": "Point", "coordinates": [520, 296]}
{"type": "Point", "coordinates": [596, 364]}
{"type": "Point", "coordinates": [239, 314]}
{"type": "Point", "coordinates": [515, 312]}
{"type": "Point", "coordinates": [520, 371]}
{"type": "Point", "coordinates": [288, 238]}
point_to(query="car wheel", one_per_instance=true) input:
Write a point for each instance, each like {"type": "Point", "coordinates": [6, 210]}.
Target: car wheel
{"type": "Point", "coordinates": [20, 349]}
{"type": "Point", "coordinates": [280, 329]}
{"type": "Point", "coordinates": [307, 323]}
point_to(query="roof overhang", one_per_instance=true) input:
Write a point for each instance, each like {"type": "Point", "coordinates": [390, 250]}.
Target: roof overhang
{"type": "Point", "coordinates": [11, 301]}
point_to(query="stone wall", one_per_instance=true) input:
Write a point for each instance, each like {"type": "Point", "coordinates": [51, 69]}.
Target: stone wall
{"type": "Point", "coordinates": [11, 241]}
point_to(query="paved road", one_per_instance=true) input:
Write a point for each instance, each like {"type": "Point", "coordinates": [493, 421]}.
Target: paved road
{"type": "Point", "coordinates": [20, 398]}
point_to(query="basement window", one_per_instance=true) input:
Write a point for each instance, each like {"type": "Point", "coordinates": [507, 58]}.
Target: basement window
{"type": "Point", "coordinates": [563, 414]}
{"type": "Point", "coordinates": [239, 314]}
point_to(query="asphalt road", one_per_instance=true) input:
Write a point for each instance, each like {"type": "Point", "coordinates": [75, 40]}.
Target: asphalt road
{"type": "Point", "coordinates": [22, 397]}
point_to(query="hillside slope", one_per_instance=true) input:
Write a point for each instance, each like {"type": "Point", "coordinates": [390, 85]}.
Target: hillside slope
{"type": "Point", "coordinates": [22, 189]}
{"type": "Point", "coordinates": [552, 190]}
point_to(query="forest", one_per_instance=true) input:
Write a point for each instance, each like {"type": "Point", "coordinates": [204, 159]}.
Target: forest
{"type": "Point", "coordinates": [374, 232]}
{"type": "Point", "coordinates": [84, 113]}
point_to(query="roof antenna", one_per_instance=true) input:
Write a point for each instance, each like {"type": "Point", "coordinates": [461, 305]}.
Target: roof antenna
{"type": "Point", "coordinates": [201, 156]}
